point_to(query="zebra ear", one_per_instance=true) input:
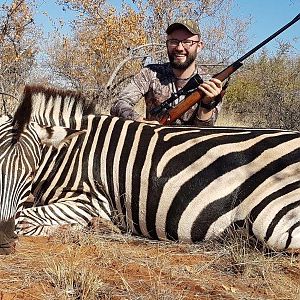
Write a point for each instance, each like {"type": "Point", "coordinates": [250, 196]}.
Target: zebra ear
{"type": "Point", "coordinates": [56, 135]}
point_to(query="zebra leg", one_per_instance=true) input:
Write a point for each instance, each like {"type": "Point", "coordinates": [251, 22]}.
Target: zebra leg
{"type": "Point", "coordinates": [45, 220]}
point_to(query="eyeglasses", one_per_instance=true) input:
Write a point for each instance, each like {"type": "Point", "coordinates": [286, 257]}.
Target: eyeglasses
{"type": "Point", "coordinates": [185, 43]}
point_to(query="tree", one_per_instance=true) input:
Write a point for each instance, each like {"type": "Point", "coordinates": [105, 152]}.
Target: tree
{"type": "Point", "coordinates": [224, 36]}
{"type": "Point", "coordinates": [101, 38]}
{"type": "Point", "coordinates": [18, 48]}
{"type": "Point", "coordinates": [266, 91]}
{"type": "Point", "coordinates": [108, 46]}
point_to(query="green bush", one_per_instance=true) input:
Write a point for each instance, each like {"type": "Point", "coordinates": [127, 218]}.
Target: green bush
{"type": "Point", "coordinates": [266, 92]}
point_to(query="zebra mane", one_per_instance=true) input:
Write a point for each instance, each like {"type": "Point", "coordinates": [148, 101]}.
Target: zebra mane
{"type": "Point", "coordinates": [50, 106]}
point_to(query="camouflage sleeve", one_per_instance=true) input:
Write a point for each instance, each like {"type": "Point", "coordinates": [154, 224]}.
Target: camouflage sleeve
{"type": "Point", "coordinates": [131, 95]}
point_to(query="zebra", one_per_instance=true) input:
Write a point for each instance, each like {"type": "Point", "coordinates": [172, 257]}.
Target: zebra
{"type": "Point", "coordinates": [21, 143]}
{"type": "Point", "coordinates": [171, 183]}
{"type": "Point", "coordinates": [50, 106]}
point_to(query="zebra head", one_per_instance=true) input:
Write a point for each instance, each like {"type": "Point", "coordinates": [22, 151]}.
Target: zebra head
{"type": "Point", "coordinates": [20, 154]}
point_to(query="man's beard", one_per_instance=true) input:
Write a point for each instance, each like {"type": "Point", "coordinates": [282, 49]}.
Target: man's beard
{"type": "Point", "coordinates": [190, 58]}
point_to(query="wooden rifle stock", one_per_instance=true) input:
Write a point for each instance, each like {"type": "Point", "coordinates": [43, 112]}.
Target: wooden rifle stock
{"type": "Point", "coordinates": [175, 112]}
{"type": "Point", "coordinates": [196, 96]}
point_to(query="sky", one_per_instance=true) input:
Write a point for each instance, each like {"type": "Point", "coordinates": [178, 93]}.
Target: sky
{"type": "Point", "coordinates": [267, 16]}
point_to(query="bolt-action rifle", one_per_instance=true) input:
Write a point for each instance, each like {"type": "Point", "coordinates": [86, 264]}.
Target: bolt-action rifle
{"type": "Point", "coordinates": [169, 114]}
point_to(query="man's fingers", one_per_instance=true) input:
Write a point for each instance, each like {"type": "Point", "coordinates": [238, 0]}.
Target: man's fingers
{"type": "Point", "coordinates": [216, 81]}
{"type": "Point", "coordinates": [208, 93]}
{"type": "Point", "coordinates": [211, 88]}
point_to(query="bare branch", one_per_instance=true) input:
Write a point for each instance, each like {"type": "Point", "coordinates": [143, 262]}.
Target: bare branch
{"type": "Point", "coordinates": [131, 56]}
{"type": "Point", "coordinates": [10, 95]}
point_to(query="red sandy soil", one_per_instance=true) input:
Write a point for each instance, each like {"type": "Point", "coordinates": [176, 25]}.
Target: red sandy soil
{"type": "Point", "coordinates": [125, 267]}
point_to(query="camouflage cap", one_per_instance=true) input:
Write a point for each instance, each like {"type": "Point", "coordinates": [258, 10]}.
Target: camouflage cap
{"type": "Point", "coordinates": [190, 25]}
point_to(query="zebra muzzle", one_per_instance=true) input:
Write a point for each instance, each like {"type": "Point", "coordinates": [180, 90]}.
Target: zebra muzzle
{"type": "Point", "coordinates": [8, 237]}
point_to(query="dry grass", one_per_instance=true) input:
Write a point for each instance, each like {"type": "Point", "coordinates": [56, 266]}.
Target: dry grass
{"type": "Point", "coordinates": [70, 279]}
{"type": "Point", "coordinates": [89, 265]}
{"type": "Point", "coordinates": [135, 268]}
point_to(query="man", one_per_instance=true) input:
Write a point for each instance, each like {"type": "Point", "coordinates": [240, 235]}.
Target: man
{"type": "Point", "coordinates": [157, 82]}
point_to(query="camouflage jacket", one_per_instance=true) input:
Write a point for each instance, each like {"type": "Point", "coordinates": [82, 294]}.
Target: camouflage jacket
{"type": "Point", "coordinates": [156, 83]}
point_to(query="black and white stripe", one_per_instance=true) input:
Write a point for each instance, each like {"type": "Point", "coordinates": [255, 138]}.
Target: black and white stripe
{"type": "Point", "coordinates": [19, 159]}
{"type": "Point", "coordinates": [49, 106]}
{"type": "Point", "coordinates": [21, 151]}
{"type": "Point", "coordinates": [177, 183]}
{"type": "Point", "coordinates": [20, 154]}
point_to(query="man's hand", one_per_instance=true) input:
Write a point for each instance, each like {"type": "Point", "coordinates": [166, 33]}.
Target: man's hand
{"type": "Point", "coordinates": [211, 89]}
